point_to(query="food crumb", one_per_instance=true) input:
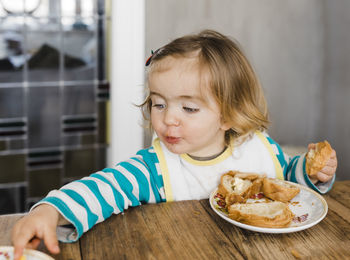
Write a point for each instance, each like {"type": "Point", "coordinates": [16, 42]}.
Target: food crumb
{"type": "Point", "coordinates": [300, 219]}
{"type": "Point", "coordinates": [296, 254]}
{"type": "Point", "coordinates": [196, 212]}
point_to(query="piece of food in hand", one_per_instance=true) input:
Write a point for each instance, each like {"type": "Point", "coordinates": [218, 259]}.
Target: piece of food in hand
{"type": "Point", "coordinates": [237, 187]}
{"type": "Point", "coordinates": [317, 158]}
{"type": "Point", "coordinates": [279, 190]}
{"type": "Point", "coordinates": [274, 214]}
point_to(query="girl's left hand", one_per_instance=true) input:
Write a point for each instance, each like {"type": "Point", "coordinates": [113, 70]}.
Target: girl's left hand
{"type": "Point", "coordinates": [327, 172]}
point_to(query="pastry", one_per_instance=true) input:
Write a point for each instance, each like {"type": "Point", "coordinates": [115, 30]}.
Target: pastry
{"type": "Point", "coordinates": [279, 190]}
{"type": "Point", "coordinates": [237, 187]}
{"type": "Point", "coordinates": [274, 214]}
{"type": "Point", "coordinates": [317, 158]}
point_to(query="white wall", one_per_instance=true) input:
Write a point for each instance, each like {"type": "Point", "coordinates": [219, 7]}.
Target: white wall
{"type": "Point", "coordinates": [335, 123]}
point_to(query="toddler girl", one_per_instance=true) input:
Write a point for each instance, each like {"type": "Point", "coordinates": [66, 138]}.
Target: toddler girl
{"type": "Point", "coordinates": [208, 111]}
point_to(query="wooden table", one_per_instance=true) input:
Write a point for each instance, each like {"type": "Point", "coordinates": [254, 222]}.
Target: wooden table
{"type": "Point", "coordinates": [191, 230]}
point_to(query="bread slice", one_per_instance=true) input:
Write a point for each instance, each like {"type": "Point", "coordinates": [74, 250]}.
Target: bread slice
{"type": "Point", "coordinates": [237, 187]}
{"type": "Point", "coordinates": [274, 214]}
{"type": "Point", "coordinates": [279, 190]}
{"type": "Point", "coordinates": [317, 158]}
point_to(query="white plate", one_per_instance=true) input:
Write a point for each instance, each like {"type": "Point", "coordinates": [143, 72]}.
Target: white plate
{"type": "Point", "coordinates": [29, 254]}
{"type": "Point", "coordinates": [306, 202]}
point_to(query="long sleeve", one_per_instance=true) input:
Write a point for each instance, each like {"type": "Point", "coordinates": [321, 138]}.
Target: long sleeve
{"type": "Point", "coordinates": [93, 199]}
{"type": "Point", "coordinates": [294, 169]}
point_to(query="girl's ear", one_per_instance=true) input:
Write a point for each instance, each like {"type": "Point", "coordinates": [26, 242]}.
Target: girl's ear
{"type": "Point", "coordinates": [225, 126]}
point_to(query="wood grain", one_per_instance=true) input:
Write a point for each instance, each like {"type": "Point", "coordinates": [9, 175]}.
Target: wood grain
{"type": "Point", "coordinates": [181, 230]}
{"type": "Point", "coordinates": [340, 192]}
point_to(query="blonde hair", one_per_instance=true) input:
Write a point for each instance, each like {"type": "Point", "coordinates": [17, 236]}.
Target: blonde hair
{"type": "Point", "coordinates": [232, 80]}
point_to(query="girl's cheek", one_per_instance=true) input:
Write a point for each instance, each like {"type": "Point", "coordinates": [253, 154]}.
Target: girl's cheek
{"type": "Point", "coordinates": [155, 121]}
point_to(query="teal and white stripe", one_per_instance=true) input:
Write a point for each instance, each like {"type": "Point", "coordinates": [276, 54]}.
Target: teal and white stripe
{"type": "Point", "coordinates": [92, 199]}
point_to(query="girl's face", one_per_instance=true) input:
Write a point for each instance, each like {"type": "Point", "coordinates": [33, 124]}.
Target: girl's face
{"type": "Point", "coordinates": [184, 120]}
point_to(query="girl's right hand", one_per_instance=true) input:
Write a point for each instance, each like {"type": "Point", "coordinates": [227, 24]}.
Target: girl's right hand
{"type": "Point", "coordinates": [39, 224]}
{"type": "Point", "coordinates": [327, 172]}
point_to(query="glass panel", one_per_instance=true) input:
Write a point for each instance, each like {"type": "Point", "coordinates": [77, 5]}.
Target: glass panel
{"type": "Point", "coordinates": [71, 140]}
{"type": "Point", "coordinates": [8, 201]}
{"type": "Point", "coordinates": [77, 8]}
{"type": "Point", "coordinates": [101, 46]}
{"type": "Point", "coordinates": [12, 7]}
{"type": "Point", "coordinates": [29, 7]}
{"type": "Point", "coordinates": [45, 157]}
{"type": "Point", "coordinates": [88, 139]}
{"type": "Point", "coordinates": [68, 7]}
{"type": "Point", "coordinates": [17, 144]}
{"type": "Point", "coordinates": [101, 158]}
{"type": "Point", "coordinates": [12, 168]}
{"type": "Point", "coordinates": [79, 24]}
{"type": "Point", "coordinates": [3, 145]}
{"type": "Point", "coordinates": [102, 132]}
{"type": "Point", "coordinates": [12, 200]}
{"type": "Point", "coordinates": [12, 56]}
{"type": "Point", "coordinates": [11, 102]}
{"type": "Point", "coordinates": [61, 107]}
{"type": "Point", "coordinates": [44, 41]}
{"type": "Point", "coordinates": [44, 128]}
{"type": "Point", "coordinates": [79, 46]}
{"type": "Point", "coordinates": [12, 23]}
{"type": "Point", "coordinates": [79, 163]}
{"type": "Point", "coordinates": [87, 8]}
{"type": "Point", "coordinates": [44, 9]}
{"type": "Point", "coordinates": [78, 100]}
{"type": "Point", "coordinates": [107, 48]}
{"type": "Point", "coordinates": [42, 181]}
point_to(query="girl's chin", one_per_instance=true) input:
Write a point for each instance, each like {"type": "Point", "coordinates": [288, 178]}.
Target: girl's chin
{"type": "Point", "coordinates": [175, 150]}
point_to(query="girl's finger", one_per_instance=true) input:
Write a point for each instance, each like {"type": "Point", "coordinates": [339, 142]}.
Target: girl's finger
{"type": "Point", "coordinates": [20, 241]}
{"type": "Point", "coordinates": [333, 154]}
{"type": "Point", "coordinates": [50, 240]}
{"type": "Point", "coordinates": [332, 163]}
{"type": "Point", "coordinates": [323, 177]}
{"type": "Point", "coordinates": [328, 170]}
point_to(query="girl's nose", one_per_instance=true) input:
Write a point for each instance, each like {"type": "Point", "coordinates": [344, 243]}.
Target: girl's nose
{"type": "Point", "coordinates": [171, 118]}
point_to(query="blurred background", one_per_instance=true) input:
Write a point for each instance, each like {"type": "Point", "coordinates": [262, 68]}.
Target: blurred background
{"type": "Point", "coordinates": [53, 96]}
{"type": "Point", "coordinates": [72, 70]}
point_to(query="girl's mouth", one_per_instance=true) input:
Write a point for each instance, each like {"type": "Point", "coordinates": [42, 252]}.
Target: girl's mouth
{"type": "Point", "coordinates": [172, 140]}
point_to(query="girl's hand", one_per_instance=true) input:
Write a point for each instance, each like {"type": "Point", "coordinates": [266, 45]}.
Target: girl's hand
{"type": "Point", "coordinates": [327, 172]}
{"type": "Point", "coordinates": [39, 224]}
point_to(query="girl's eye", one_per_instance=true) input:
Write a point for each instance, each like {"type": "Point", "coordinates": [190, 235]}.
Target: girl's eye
{"type": "Point", "coordinates": [190, 109]}
{"type": "Point", "coordinates": [158, 106]}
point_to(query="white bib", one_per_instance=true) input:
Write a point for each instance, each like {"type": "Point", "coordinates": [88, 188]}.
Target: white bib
{"type": "Point", "coordinates": [189, 179]}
